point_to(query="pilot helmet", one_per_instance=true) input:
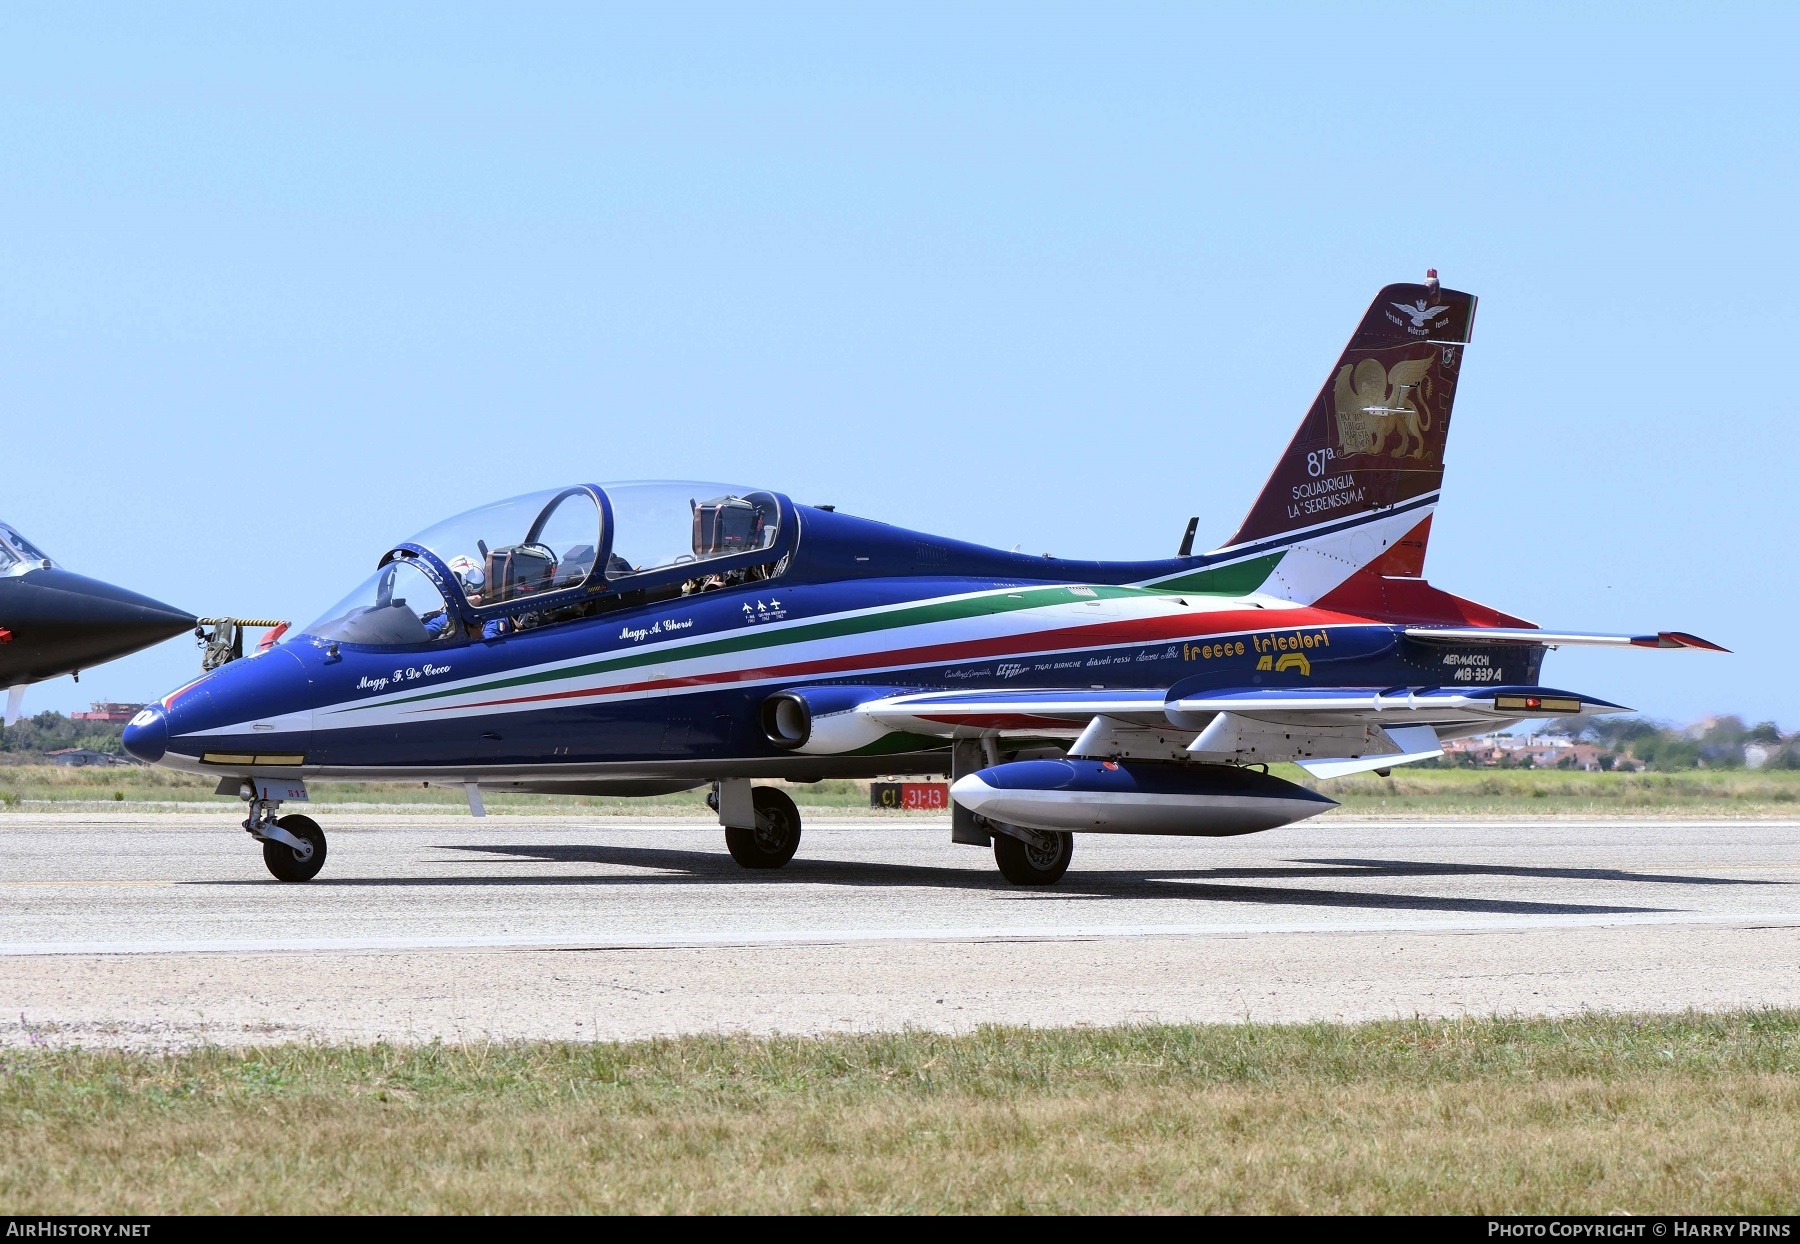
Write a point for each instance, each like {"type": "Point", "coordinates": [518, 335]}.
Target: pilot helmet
{"type": "Point", "coordinates": [467, 571]}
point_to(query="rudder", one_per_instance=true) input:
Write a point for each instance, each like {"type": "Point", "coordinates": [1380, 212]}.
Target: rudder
{"type": "Point", "coordinates": [1359, 481]}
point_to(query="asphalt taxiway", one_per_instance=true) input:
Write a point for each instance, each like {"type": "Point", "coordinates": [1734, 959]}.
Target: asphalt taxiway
{"type": "Point", "coordinates": [158, 929]}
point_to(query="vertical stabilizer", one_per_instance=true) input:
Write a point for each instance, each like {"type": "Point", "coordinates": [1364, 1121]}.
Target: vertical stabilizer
{"type": "Point", "coordinates": [1358, 483]}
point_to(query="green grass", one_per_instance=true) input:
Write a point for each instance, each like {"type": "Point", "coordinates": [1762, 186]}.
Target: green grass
{"type": "Point", "coordinates": [1562, 792]}
{"type": "Point", "coordinates": [1595, 1114]}
{"type": "Point", "coordinates": [1408, 792]}
{"type": "Point", "coordinates": [25, 787]}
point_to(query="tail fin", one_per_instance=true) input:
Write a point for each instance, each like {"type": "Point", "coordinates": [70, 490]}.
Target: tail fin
{"type": "Point", "coordinates": [1356, 487]}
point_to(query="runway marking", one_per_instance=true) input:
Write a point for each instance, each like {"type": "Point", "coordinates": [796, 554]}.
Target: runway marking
{"type": "Point", "coordinates": [12, 884]}
{"type": "Point", "coordinates": [806, 937]}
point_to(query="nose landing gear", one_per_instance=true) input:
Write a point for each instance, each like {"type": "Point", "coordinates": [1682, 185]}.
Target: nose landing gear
{"type": "Point", "coordinates": [299, 854]}
{"type": "Point", "coordinates": [293, 846]}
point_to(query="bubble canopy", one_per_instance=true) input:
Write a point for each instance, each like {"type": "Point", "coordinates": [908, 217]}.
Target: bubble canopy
{"type": "Point", "coordinates": [544, 556]}
{"type": "Point", "coordinates": [17, 554]}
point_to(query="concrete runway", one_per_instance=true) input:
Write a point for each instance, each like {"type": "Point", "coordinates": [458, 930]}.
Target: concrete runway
{"type": "Point", "coordinates": [163, 930]}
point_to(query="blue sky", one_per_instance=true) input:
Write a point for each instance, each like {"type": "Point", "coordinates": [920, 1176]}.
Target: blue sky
{"type": "Point", "coordinates": [280, 287]}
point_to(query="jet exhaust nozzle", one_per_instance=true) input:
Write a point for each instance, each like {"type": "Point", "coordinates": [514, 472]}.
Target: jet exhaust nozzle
{"type": "Point", "coordinates": [1136, 797]}
{"type": "Point", "coordinates": [822, 720]}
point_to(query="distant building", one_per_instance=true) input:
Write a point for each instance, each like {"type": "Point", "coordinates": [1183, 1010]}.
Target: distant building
{"type": "Point", "coordinates": [107, 711]}
{"type": "Point", "coordinates": [1534, 751]}
{"type": "Point", "coordinates": [81, 757]}
{"type": "Point", "coordinates": [1756, 755]}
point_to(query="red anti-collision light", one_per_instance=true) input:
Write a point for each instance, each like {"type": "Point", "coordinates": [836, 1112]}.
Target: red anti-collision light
{"type": "Point", "coordinates": [5, 635]}
{"type": "Point", "coordinates": [1531, 701]}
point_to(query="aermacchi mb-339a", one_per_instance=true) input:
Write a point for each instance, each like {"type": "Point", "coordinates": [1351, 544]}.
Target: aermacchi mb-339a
{"type": "Point", "coordinates": [645, 638]}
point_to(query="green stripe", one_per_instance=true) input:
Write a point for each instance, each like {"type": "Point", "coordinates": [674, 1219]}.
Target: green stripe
{"type": "Point", "coordinates": [900, 741]}
{"type": "Point", "coordinates": [1237, 579]}
{"type": "Point", "coordinates": [760, 637]}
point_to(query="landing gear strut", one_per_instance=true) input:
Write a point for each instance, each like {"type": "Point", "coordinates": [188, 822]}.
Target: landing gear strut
{"type": "Point", "coordinates": [293, 846]}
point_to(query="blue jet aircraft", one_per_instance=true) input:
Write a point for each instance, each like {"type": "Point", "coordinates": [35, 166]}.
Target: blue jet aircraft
{"type": "Point", "coordinates": [643, 638]}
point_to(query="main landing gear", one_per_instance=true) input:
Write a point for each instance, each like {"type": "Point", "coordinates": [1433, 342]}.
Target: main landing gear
{"type": "Point", "coordinates": [293, 846]}
{"type": "Point", "coordinates": [764, 834]}
{"type": "Point", "coordinates": [1032, 856]}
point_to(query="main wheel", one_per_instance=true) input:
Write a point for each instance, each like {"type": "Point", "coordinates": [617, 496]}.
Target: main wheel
{"type": "Point", "coordinates": [776, 836]}
{"type": "Point", "coordinates": [288, 864]}
{"type": "Point", "coordinates": [1024, 863]}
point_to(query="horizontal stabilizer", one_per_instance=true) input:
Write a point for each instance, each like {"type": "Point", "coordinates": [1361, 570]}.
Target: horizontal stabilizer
{"type": "Point", "coordinates": [1555, 639]}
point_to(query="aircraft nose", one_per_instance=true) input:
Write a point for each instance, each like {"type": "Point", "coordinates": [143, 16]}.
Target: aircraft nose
{"type": "Point", "coordinates": [62, 621]}
{"type": "Point", "coordinates": [147, 735]}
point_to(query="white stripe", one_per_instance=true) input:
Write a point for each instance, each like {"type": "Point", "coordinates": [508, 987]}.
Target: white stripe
{"type": "Point", "coordinates": [870, 644]}
{"type": "Point", "coordinates": [1280, 539]}
{"type": "Point", "coordinates": [813, 937]}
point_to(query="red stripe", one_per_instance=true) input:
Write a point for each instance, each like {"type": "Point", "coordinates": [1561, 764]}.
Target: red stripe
{"type": "Point", "coordinates": [1104, 634]}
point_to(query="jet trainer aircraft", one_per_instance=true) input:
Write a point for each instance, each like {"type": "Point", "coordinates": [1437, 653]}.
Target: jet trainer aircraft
{"type": "Point", "coordinates": [650, 637]}
{"type": "Point", "coordinates": [55, 622]}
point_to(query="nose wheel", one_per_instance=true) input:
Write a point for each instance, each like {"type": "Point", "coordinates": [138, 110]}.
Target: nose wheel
{"type": "Point", "coordinates": [301, 859]}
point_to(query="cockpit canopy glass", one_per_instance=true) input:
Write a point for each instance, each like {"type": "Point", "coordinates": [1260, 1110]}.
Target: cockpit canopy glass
{"type": "Point", "coordinates": [527, 546]}
{"type": "Point", "coordinates": [515, 551]}
{"type": "Point", "coordinates": [18, 555]}
{"type": "Point", "coordinates": [663, 523]}
{"type": "Point", "coordinates": [396, 607]}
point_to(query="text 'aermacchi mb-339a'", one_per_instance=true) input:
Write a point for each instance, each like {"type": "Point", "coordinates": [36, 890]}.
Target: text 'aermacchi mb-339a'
{"type": "Point", "coordinates": [651, 637]}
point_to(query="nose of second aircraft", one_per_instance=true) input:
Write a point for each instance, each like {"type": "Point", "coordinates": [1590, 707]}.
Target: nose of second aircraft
{"type": "Point", "coordinates": [59, 621]}
{"type": "Point", "coordinates": [147, 735]}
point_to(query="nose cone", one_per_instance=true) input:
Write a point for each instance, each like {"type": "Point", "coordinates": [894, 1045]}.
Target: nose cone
{"type": "Point", "coordinates": [147, 735]}
{"type": "Point", "coordinates": [258, 707]}
{"type": "Point", "coordinates": [58, 622]}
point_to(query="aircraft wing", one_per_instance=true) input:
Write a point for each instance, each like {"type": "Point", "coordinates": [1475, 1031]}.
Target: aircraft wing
{"type": "Point", "coordinates": [1066, 711]}
{"type": "Point", "coordinates": [1556, 639]}
{"type": "Point", "coordinates": [1301, 706]}
{"type": "Point", "coordinates": [1329, 730]}
{"type": "Point", "coordinates": [1332, 732]}
{"type": "Point", "coordinates": [1027, 710]}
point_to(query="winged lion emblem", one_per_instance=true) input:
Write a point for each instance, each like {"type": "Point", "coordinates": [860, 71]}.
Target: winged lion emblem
{"type": "Point", "coordinates": [1372, 401]}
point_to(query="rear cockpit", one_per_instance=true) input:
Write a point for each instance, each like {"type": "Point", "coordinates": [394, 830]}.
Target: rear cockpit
{"type": "Point", "coordinates": [560, 555]}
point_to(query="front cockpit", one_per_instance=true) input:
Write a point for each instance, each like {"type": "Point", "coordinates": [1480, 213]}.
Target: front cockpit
{"type": "Point", "coordinates": [561, 555]}
{"type": "Point", "coordinates": [19, 555]}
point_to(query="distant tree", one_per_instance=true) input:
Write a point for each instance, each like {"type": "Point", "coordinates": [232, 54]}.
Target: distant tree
{"type": "Point", "coordinates": [1618, 732]}
{"type": "Point", "coordinates": [48, 732]}
{"type": "Point", "coordinates": [1666, 751]}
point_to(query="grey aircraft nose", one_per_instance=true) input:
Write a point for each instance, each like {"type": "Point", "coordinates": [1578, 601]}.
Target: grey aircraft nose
{"type": "Point", "coordinates": [54, 622]}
